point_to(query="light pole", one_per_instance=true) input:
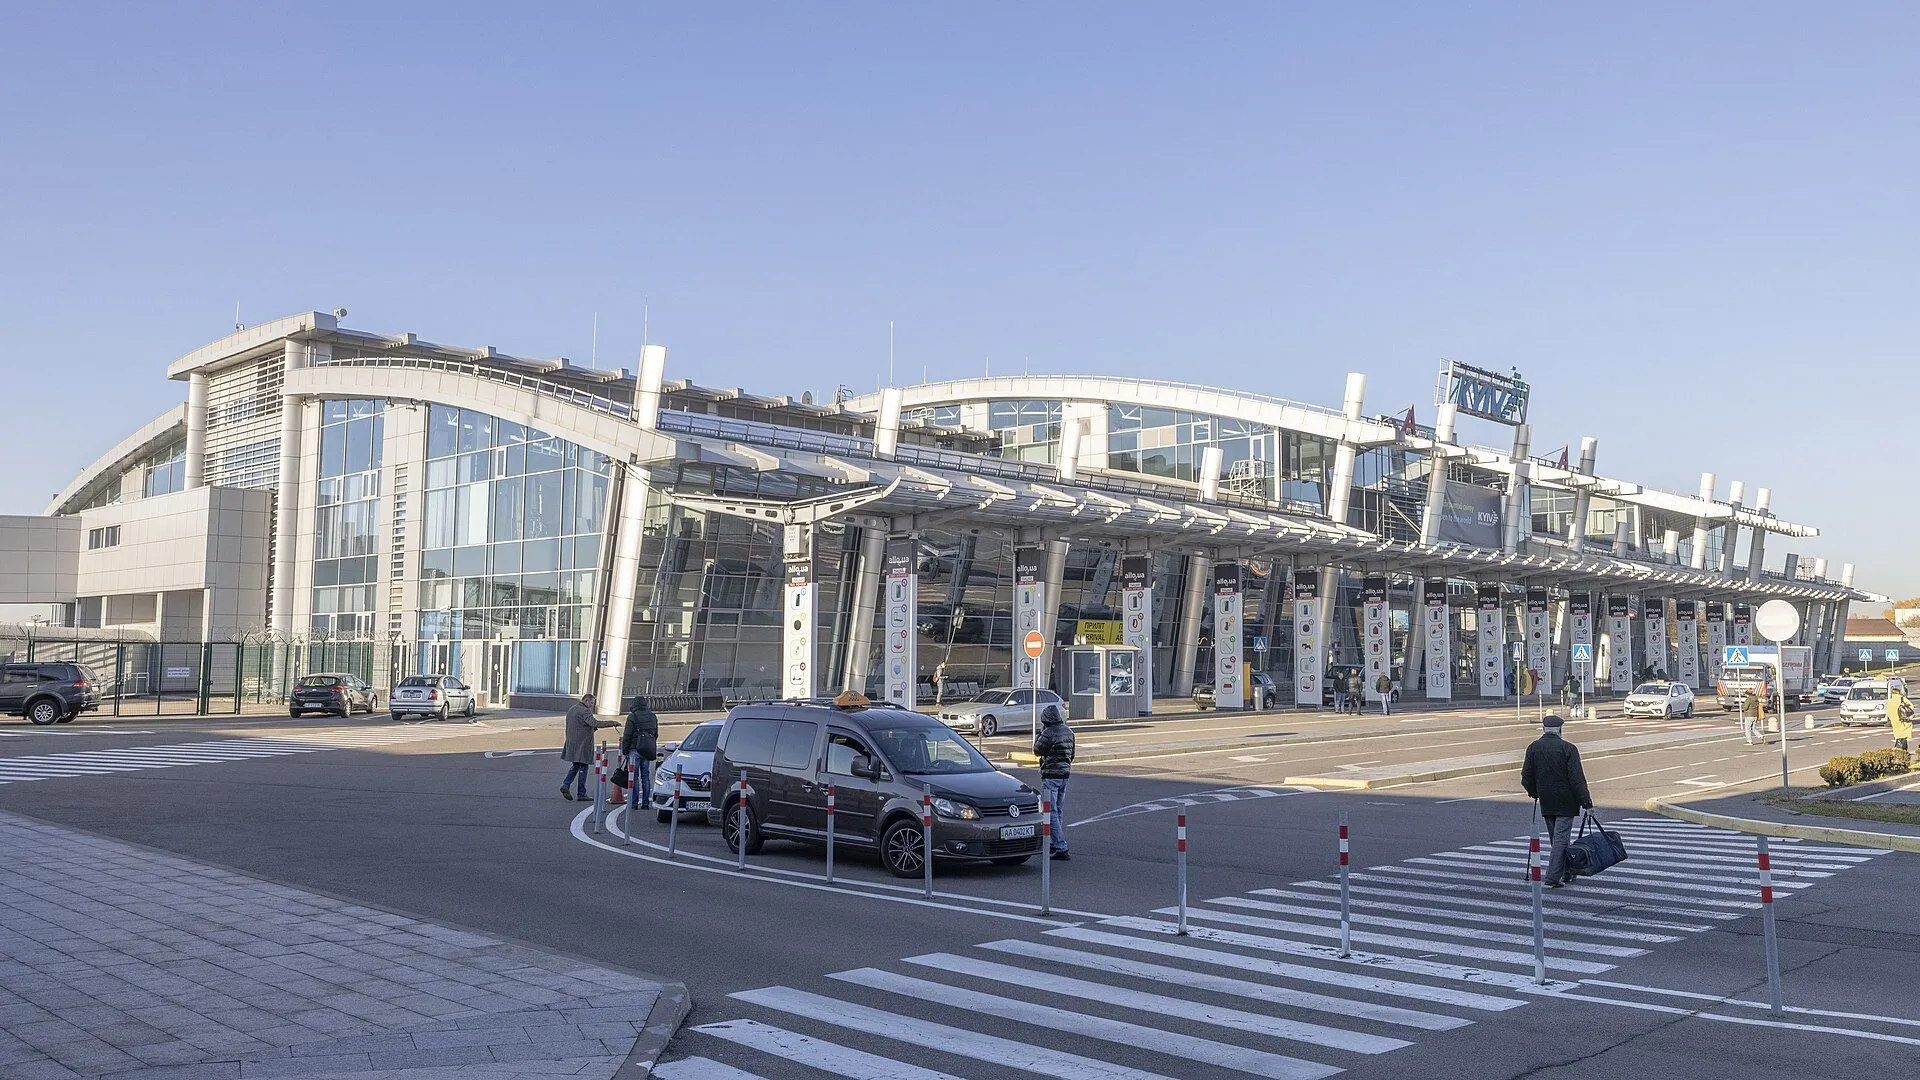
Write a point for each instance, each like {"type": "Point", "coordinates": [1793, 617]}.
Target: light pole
{"type": "Point", "coordinates": [1778, 621]}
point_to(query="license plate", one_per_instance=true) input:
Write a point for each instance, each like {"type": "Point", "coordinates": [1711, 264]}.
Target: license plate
{"type": "Point", "coordinates": [1016, 832]}
{"type": "Point", "coordinates": [691, 804]}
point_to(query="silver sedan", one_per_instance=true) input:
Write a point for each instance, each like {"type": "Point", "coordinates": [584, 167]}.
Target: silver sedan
{"type": "Point", "coordinates": [991, 712]}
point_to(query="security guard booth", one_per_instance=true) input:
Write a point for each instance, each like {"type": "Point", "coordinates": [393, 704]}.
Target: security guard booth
{"type": "Point", "coordinates": [1103, 682]}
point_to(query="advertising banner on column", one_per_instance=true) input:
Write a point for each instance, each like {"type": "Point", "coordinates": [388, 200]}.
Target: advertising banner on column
{"type": "Point", "coordinates": [1229, 651]}
{"type": "Point", "coordinates": [1378, 651]}
{"type": "Point", "coordinates": [901, 588]}
{"type": "Point", "coordinates": [796, 630]}
{"type": "Point", "coordinates": [1028, 602]}
{"type": "Point", "coordinates": [1716, 640]}
{"type": "Point", "coordinates": [1619, 643]}
{"type": "Point", "coordinates": [1136, 618]}
{"type": "Point", "coordinates": [1437, 625]}
{"type": "Point", "coordinates": [1686, 628]}
{"type": "Point", "coordinates": [1742, 625]}
{"type": "Point", "coordinates": [1540, 636]}
{"type": "Point", "coordinates": [1308, 664]}
{"type": "Point", "coordinates": [1492, 626]}
{"type": "Point", "coordinates": [1653, 621]}
{"type": "Point", "coordinates": [1580, 632]}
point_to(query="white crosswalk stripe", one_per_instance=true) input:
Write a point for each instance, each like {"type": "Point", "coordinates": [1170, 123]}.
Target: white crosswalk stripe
{"type": "Point", "coordinates": [1254, 975]}
{"type": "Point", "coordinates": [143, 758]}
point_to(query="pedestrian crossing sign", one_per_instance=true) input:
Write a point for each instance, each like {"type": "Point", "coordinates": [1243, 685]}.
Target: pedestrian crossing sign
{"type": "Point", "coordinates": [1736, 654]}
{"type": "Point", "coordinates": [1893, 656]}
{"type": "Point", "coordinates": [1866, 656]}
{"type": "Point", "coordinates": [1582, 653]}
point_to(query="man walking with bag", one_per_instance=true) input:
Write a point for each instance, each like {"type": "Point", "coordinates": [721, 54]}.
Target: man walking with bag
{"type": "Point", "coordinates": [639, 745]}
{"type": "Point", "coordinates": [1054, 747]}
{"type": "Point", "coordinates": [1553, 777]}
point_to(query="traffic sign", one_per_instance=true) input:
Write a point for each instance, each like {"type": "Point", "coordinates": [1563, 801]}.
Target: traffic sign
{"type": "Point", "coordinates": [1582, 653]}
{"type": "Point", "coordinates": [1735, 654]}
{"type": "Point", "coordinates": [1519, 651]}
{"type": "Point", "coordinates": [1866, 656]}
{"type": "Point", "coordinates": [1893, 656]}
{"type": "Point", "coordinates": [1259, 643]}
{"type": "Point", "coordinates": [1777, 620]}
{"type": "Point", "coordinates": [1035, 644]}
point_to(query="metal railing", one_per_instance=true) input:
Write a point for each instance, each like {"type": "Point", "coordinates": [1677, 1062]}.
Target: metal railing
{"type": "Point", "coordinates": [572, 395]}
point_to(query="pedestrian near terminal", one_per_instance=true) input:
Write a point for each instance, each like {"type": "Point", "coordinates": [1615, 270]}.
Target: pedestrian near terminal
{"type": "Point", "coordinates": [1900, 718]}
{"type": "Point", "coordinates": [1356, 691]}
{"type": "Point", "coordinates": [639, 746]}
{"type": "Point", "coordinates": [1384, 687]}
{"type": "Point", "coordinates": [1570, 692]}
{"type": "Point", "coordinates": [1553, 778]}
{"type": "Point", "coordinates": [1055, 750]}
{"type": "Point", "coordinates": [939, 683]}
{"type": "Point", "coordinates": [577, 751]}
{"type": "Point", "coordinates": [1753, 715]}
{"type": "Point", "coordinates": [1339, 684]}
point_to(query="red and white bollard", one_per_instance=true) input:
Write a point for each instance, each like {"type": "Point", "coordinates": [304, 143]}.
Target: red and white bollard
{"type": "Point", "coordinates": [673, 813]}
{"type": "Point", "coordinates": [926, 837]}
{"type": "Point", "coordinates": [1046, 857]}
{"type": "Point", "coordinates": [1180, 862]}
{"type": "Point", "coordinates": [740, 822]}
{"type": "Point", "coordinates": [599, 787]}
{"type": "Point", "coordinates": [1539, 911]}
{"type": "Point", "coordinates": [1767, 924]}
{"type": "Point", "coordinates": [1346, 897]}
{"type": "Point", "coordinates": [831, 793]}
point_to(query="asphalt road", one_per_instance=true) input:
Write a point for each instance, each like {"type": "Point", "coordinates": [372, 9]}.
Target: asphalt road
{"type": "Point", "coordinates": [422, 820]}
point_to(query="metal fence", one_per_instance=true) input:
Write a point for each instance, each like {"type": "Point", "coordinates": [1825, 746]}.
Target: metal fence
{"type": "Point", "coordinates": [142, 677]}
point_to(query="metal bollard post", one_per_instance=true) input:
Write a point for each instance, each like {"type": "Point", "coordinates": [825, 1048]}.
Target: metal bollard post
{"type": "Point", "coordinates": [673, 813]}
{"type": "Point", "coordinates": [1046, 857]}
{"type": "Point", "coordinates": [926, 836]}
{"type": "Point", "coordinates": [1539, 912]}
{"type": "Point", "coordinates": [633, 799]}
{"type": "Point", "coordinates": [740, 822]}
{"type": "Point", "coordinates": [1346, 898]}
{"type": "Point", "coordinates": [1180, 861]}
{"type": "Point", "coordinates": [600, 786]}
{"type": "Point", "coordinates": [1767, 924]}
{"type": "Point", "coordinates": [831, 793]}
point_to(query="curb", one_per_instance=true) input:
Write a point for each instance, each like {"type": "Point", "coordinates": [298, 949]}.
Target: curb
{"type": "Point", "coordinates": [1823, 833]}
{"type": "Point", "coordinates": [1417, 775]}
{"type": "Point", "coordinates": [670, 1010]}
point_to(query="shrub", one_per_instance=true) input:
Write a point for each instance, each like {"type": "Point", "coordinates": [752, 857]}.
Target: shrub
{"type": "Point", "coordinates": [1884, 762]}
{"type": "Point", "coordinates": [1841, 771]}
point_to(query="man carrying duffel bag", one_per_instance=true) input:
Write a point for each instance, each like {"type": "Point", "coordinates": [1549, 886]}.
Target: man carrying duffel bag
{"type": "Point", "coordinates": [1553, 777]}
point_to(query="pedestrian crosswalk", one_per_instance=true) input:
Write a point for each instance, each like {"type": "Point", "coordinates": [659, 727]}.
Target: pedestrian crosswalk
{"type": "Point", "coordinates": [1257, 985]}
{"type": "Point", "coordinates": [15, 770]}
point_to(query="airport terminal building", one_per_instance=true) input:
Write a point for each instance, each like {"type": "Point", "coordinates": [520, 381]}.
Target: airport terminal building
{"type": "Point", "coordinates": [388, 504]}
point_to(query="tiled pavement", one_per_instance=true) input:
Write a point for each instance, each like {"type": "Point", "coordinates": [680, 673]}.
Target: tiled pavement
{"type": "Point", "coordinates": [122, 962]}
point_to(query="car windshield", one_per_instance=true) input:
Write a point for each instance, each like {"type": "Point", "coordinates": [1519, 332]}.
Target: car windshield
{"type": "Point", "coordinates": [993, 697]}
{"type": "Point", "coordinates": [1867, 693]}
{"type": "Point", "coordinates": [1655, 688]}
{"type": "Point", "coordinates": [702, 739]}
{"type": "Point", "coordinates": [320, 680]}
{"type": "Point", "coordinates": [923, 751]}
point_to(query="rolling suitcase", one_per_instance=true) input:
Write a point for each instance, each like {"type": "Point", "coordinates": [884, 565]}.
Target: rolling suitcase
{"type": "Point", "coordinates": [1595, 849]}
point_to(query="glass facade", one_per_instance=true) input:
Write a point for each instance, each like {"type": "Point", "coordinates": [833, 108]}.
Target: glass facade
{"type": "Point", "coordinates": [166, 471]}
{"type": "Point", "coordinates": [346, 543]}
{"type": "Point", "coordinates": [513, 535]}
{"type": "Point", "coordinates": [1028, 430]}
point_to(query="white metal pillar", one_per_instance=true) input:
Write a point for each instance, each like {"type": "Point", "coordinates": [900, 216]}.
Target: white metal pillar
{"type": "Point", "coordinates": [866, 594]}
{"type": "Point", "coordinates": [1195, 595]}
{"type": "Point", "coordinates": [1730, 535]}
{"type": "Point", "coordinates": [196, 463]}
{"type": "Point", "coordinates": [616, 621]}
{"type": "Point", "coordinates": [1514, 528]}
{"type": "Point", "coordinates": [1053, 577]}
{"type": "Point", "coordinates": [1757, 547]}
{"type": "Point", "coordinates": [1437, 476]}
{"type": "Point", "coordinates": [1582, 496]}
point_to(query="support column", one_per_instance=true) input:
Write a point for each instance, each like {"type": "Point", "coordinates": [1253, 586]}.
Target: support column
{"type": "Point", "coordinates": [623, 583]}
{"type": "Point", "coordinates": [1053, 577]}
{"type": "Point", "coordinates": [1513, 528]}
{"type": "Point", "coordinates": [1670, 548]}
{"type": "Point", "coordinates": [1194, 596]}
{"type": "Point", "coordinates": [1757, 547]}
{"type": "Point", "coordinates": [1698, 556]}
{"type": "Point", "coordinates": [646, 386]}
{"type": "Point", "coordinates": [1437, 476]}
{"type": "Point", "coordinates": [866, 594]}
{"type": "Point", "coordinates": [286, 516]}
{"type": "Point", "coordinates": [196, 464]}
{"type": "Point", "coordinates": [1730, 535]}
{"type": "Point", "coordinates": [1582, 496]}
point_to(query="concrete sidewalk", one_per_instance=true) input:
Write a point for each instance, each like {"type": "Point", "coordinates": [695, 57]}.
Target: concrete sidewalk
{"type": "Point", "coordinates": [1746, 813]}
{"type": "Point", "coordinates": [122, 962]}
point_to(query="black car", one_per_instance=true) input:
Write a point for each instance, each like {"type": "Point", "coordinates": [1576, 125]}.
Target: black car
{"type": "Point", "coordinates": [48, 693]}
{"type": "Point", "coordinates": [342, 694]}
{"type": "Point", "coordinates": [880, 761]}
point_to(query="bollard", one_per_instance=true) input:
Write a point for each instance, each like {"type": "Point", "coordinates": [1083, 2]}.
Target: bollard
{"type": "Point", "coordinates": [740, 822]}
{"type": "Point", "coordinates": [1771, 933]}
{"type": "Point", "coordinates": [1539, 913]}
{"type": "Point", "coordinates": [600, 786]}
{"type": "Point", "coordinates": [830, 800]}
{"type": "Point", "coordinates": [673, 813]}
{"type": "Point", "coordinates": [1346, 898]}
{"type": "Point", "coordinates": [1046, 857]}
{"type": "Point", "coordinates": [633, 797]}
{"type": "Point", "coordinates": [926, 836]}
{"type": "Point", "coordinates": [1180, 862]}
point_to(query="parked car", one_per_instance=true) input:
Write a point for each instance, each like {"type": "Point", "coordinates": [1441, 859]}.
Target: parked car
{"type": "Point", "coordinates": [1261, 692]}
{"type": "Point", "coordinates": [438, 696]}
{"type": "Point", "coordinates": [880, 761]}
{"type": "Point", "coordinates": [991, 712]}
{"type": "Point", "coordinates": [1833, 690]}
{"type": "Point", "coordinates": [1866, 701]}
{"type": "Point", "coordinates": [693, 756]}
{"type": "Point", "coordinates": [51, 693]}
{"type": "Point", "coordinates": [1659, 699]}
{"type": "Point", "coordinates": [330, 693]}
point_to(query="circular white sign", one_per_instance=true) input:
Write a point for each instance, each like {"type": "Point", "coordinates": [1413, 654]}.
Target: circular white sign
{"type": "Point", "coordinates": [1777, 620]}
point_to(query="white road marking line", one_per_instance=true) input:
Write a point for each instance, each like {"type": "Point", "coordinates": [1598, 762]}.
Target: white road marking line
{"type": "Point", "coordinates": [1677, 857]}
{"type": "Point", "coordinates": [1607, 897]}
{"type": "Point", "coordinates": [1222, 984]}
{"type": "Point", "coordinates": [1440, 909]}
{"type": "Point", "coordinates": [1001, 1053]}
{"type": "Point", "coordinates": [1426, 946]}
{"type": "Point", "coordinates": [1054, 1018]}
{"type": "Point", "coordinates": [817, 1053]}
{"type": "Point", "coordinates": [1661, 878]}
{"type": "Point", "coordinates": [1422, 927]}
{"type": "Point", "coordinates": [699, 1068]}
{"type": "Point", "coordinates": [1904, 1021]}
{"type": "Point", "coordinates": [1747, 1021]}
{"type": "Point", "coordinates": [1561, 911]}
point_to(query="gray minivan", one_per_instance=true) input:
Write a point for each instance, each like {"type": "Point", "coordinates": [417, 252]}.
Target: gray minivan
{"type": "Point", "coordinates": [880, 760]}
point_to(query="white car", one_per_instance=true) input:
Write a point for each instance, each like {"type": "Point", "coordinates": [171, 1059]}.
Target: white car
{"type": "Point", "coordinates": [991, 712]}
{"type": "Point", "coordinates": [1659, 699]}
{"type": "Point", "coordinates": [1866, 701]}
{"type": "Point", "coordinates": [438, 696]}
{"type": "Point", "coordinates": [693, 756]}
{"type": "Point", "coordinates": [1834, 691]}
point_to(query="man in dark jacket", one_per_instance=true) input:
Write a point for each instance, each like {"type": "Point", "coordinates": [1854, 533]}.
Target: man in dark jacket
{"type": "Point", "coordinates": [639, 746]}
{"type": "Point", "coordinates": [1055, 750]}
{"type": "Point", "coordinates": [1552, 775]}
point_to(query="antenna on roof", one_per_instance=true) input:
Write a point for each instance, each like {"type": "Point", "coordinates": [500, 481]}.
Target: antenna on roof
{"type": "Point", "coordinates": [889, 352]}
{"type": "Point", "coordinates": [593, 351]}
{"type": "Point", "coordinates": [237, 324]}
{"type": "Point", "coordinates": [646, 314]}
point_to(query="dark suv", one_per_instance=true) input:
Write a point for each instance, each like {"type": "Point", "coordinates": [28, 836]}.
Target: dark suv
{"type": "Point", "coordinates": [880, 761]}
{"type": "Point", "coordinates": [48, 693]}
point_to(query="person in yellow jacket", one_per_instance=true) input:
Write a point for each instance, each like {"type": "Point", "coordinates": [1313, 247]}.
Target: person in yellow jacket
{"type": "Point", "coordinates": [1900, 718]}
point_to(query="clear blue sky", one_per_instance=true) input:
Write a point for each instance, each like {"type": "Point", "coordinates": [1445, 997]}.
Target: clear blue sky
{"type": "Point", "coordinates": [1692, 226]}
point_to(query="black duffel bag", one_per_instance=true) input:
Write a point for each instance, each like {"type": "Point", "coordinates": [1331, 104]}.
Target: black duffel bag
{"type": "Point", "coordinates": [1594, 849]}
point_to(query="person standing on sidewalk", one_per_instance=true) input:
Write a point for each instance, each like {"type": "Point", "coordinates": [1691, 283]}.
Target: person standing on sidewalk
{"type": "Point", "coordinates": [939, 684]}
{"type": "Point", "coordinates": [639, 745]}
{"type": "Point", "coordinates": [577, 751]}
{"type": "Point", "coordinates": [1552, 776]}
{"type": "Point", "coordinates": [1384, 687]}
{"type": "Point", "coordinates": [1753, 715]}
{"type": "Point", "coordinates": [1055, 750]}
{"type": "Point", "coordinates": [1356, 691]}
{"type": "Point", "coordinates": [1899, 718]}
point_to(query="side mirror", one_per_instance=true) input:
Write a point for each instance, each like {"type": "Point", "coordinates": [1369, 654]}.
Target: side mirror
{"type": "Point", "coordinates": [862, 767]}
{"type": "Point", "coordinates": [668, 748]}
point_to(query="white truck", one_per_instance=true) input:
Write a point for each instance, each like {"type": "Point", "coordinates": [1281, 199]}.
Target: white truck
{"type": "Point", "coordinates": [1756, 676]}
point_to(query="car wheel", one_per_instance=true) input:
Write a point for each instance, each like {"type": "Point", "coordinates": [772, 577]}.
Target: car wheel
{"type": "Point", "coordinates": [989, 727]}
{"type": "Point", "coordinates": [44, 712]}
{"type": "Point", "coordinates": [903, 850]}
{"type": "Point", "coordinates": [472, 708]}
{"type": "Point", "coordinates": [1012, 860]}
{"type": "Point", "coordinates": [295, 713]}
{"type": "Point", "coordinates": [663, 816]}
{"type": "Point", "coordinates": [443, 714]}
{"type": "Point", "coordinates": [730, 830]}
{"type": "Point", "coordinates": [394, 716]}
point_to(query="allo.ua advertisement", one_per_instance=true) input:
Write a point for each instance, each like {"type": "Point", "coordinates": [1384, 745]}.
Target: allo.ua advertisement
{"type": "Point", "coordinates": [1373, 626]}
{"type": "Point", "coordinates": [1437, 625]}
{"type": "Point", "coordinates": [1308, 664]}
{"type": "Point", "coordinates": [1540, 636]}
{"type": "Point", "coordinates": [902, 589]}
{"type": "Point", "coordinates": [1580, 632]}
{"type": "Point", "coordinates": [1229, 691]}
{"type": "Point", "coordinates": [1136, 616]}
{"type": "Point", "coordinates": [1686, 627]}
{"type": "Point", "coordinates": [1620, 643]}
{"type": "Point", "coordinates": [1492, 628]}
